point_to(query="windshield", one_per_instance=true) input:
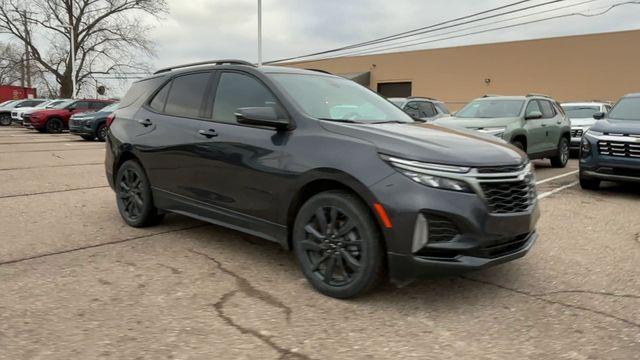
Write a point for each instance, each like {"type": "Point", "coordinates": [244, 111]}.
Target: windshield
{"type": "Point", "coordinates": [8, 102]}
{"type": "Point", "coordinates": [580, 112]}
{"type": "Point", "coordinates": [337, 99]}
{"type": "Point", "coordinates": [63, 104]}
{"type": "Point", "coordinates": [111, 107]}
{"type": "Point", "coordinates": [491, 109]}
{"type": "Point", "coordinates": [626, 109]}
{"type": "Point", "coordinates": [397, 102]}
{"type": "Point", "coordinates": [52, 104]}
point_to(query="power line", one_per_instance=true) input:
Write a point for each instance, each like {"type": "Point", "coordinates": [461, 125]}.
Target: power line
{"type": "Point", "coordinates": [462, 29]}
{"type": "Point", "coordinates": [607, 9]}
{"type": "Point", "coordinates": [427, 29]}
{"type": "Point", "coordinates": [389, 37]}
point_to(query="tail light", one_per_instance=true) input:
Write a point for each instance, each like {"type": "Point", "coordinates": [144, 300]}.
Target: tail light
{"type": "Point", "coordinates": [110, 119]}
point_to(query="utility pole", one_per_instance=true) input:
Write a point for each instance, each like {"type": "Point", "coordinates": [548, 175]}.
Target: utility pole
{"type": "Point", "coordinates": [27, 60]}
{"type": "Point", "coordinates": [259, 32]}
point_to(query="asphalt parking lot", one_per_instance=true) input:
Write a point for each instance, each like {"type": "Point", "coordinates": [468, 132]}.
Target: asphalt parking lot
{"type": "Point", "coordinates": [77, 283]}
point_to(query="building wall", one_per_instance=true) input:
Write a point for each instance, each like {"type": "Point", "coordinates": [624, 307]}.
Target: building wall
{"type": "Point", "coordinates": [601, 66]}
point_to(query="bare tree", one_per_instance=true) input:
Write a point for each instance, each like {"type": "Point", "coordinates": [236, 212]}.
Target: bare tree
{"type": "Point", "coordinates": [109, 36]}
{"type": "Point", "coordinates": [10, 64]}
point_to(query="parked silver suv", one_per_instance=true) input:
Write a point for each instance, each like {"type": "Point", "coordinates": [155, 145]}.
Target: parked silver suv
{"type": "Point", "coordinates": [581, 115]}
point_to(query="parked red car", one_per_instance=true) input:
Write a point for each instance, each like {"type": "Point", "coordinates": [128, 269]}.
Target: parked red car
{"type": "Point", "coordinates": [56, 119]}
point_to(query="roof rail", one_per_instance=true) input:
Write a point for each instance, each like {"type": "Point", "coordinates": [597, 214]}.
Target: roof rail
{"type": "Point", "coordinates": [321, 71]}
{"type": "Point", "coordinates": [535, 94]}
{"type": "Point", "coordinates": [490, 95]}
{"type": "Point", "coordinates": [214, 62]}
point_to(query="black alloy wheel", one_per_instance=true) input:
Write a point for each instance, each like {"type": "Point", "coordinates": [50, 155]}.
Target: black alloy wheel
{"type": "Point", "coordinates": [338, 245]}
{"type": "Point", "coordinates": [5, 119]}
{"type": "Point", "coordinates": [101, 133]}
{"type": "Point", "coordinates": [54, 126]}
{"type": "Point", "coordinates": [135, 202]}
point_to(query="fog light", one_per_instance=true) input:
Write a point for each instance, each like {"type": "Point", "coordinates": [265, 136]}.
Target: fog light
{"type": "Point", "coordinates": [420, 234]}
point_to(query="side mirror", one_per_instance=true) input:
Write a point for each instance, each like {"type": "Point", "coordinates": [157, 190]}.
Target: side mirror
{"type": "Point", "coordinates": [598, 115]}
{"type": "Point", "coordinates": [71, 108]}
{"type": "Point", "coordinates": [261, 116]}
{"type": "Point", "coordinates": [534, 115]}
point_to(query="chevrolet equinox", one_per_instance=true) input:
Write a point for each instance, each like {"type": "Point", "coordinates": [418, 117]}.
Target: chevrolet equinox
{"type": "Point", "coordinates": [356, 188]}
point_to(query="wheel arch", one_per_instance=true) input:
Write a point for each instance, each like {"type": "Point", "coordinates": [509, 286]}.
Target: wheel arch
{"type": "Point", "coordinates": [520, 137]}
{"type": "Point", "coordinates": [322, 180]}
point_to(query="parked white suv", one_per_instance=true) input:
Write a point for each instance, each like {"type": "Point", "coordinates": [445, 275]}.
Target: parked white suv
{"type": "Point", "coordinates": [581, 115]}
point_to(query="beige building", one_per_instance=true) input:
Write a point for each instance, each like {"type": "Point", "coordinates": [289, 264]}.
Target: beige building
{"type": "Point", "coordinates": [587, 67]}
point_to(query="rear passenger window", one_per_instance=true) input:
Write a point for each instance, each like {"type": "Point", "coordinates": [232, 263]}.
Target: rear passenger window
{"type": "Point", "coordinates": [160, 99]}
{"type": "Point", "coordinates": [547, 109]}
{"type": "Point", "coordinates": [186, 95]}
{"type": "Point", "coordinates": [237, 91]}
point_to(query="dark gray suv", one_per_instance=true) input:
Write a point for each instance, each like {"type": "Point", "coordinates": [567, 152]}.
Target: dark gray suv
{"type": "Point", "coordinates": [325, 167]}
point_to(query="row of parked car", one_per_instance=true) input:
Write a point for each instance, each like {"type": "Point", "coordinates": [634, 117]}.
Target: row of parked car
{"type": "Point", "coordinates": [83, 117]}
{"type": "Point", "coordinates": [544, 128]}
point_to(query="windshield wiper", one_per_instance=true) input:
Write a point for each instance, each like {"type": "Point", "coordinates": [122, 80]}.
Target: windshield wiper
{"type": "Point", "coordinates": [393, 122]}
{"type": "Point", "coordinates": [342, 121]}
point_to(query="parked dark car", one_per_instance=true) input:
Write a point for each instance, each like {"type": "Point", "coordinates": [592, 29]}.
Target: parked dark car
{"type": "Point", "coordinates": [421, 107]}
{"type": "Point", "coordinates": [92, 125]}
{"type": "Point", "coordinates": [271, 152]}
{"type": "Point", "coordinates": [610, 149]}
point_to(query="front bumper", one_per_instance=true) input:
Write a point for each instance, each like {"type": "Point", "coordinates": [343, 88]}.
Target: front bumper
{"type": "Point", "coordinates": [620, 168]}
{"type": "Point", "coordinates": [483, 238]}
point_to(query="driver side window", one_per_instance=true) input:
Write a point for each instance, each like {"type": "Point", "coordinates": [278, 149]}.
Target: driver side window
{"type": "Point", "coordinates": [532, 107]}
{"type": "Point", "coordinates": [237, 90]}
{"type": "Point", "coordinates": [412, 108]}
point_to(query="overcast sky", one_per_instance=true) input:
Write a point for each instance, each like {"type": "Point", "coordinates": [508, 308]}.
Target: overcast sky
{"type": "Point", "coordinates": [208, 29]}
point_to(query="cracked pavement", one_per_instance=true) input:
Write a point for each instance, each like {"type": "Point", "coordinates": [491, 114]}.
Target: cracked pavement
{"type": "Point", "coordinates": [77, 283]}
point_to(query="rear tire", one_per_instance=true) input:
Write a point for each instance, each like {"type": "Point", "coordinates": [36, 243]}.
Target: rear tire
{"type": "Point", "coordinates": [134, 197]}
{"type": "Point", "coordinates": [589, 183]}
{"type": "Point", "coordinates": [562, 157]}
{"type": "Point", "coordinates": [338, 245]}
{"type": "Point", "coordinates": [54, 126]}
{"type": "Point", "coordinates": [519, 145]}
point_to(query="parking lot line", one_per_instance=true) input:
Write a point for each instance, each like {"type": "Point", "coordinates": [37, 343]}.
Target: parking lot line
{"type": "Point", "coordinates": [556, 177]}
{"type": "Point", "coordinates": [548, 193]}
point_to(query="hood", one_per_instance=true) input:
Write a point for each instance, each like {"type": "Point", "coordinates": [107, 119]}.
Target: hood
{"type": "Point", "coordinates": [475, 123]}
{"type": "Point", "coordinates": [583, 121]}
{"type": "Point", "coordinates": [432, 143]}
{"type": "Point", "coordinates": [617, 126]}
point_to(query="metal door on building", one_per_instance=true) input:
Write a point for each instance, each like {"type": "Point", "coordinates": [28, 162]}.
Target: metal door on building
{"type": "Point", "coordinates": [395, 89]}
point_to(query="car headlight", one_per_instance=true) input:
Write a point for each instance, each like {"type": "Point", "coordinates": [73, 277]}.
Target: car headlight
{"type": "Point", "coordinates": [585, 147]}
{"type": "Point", "coordinates": [432, 175]}
{"type": "Point", "coordinates": [593, 133]}
{"type": "Point", "coordinates": [495, 131]}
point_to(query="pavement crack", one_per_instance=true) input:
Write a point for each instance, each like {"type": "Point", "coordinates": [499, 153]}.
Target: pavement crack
{"type": "Point", "coordinates": [56, 156]}
{"type": "Point", "coordinates": [39, 256]}
{"type": "Point", "coordinates": [541, 297]}
{"type": "Point", "coordinates": [244, 286]}
{"type": "Point", "coordinates": [53, 191]}
{"type": "Point", "coordinates": [591, 292]}
{"type": "Point", "coordinates": [50, 166]}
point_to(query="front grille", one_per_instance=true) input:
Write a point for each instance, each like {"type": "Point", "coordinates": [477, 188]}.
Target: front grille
{"type": "Point", "coordinates": [576, 133]}
{"type": "Point", "coordinates": [500, 169]}
{"type": "Point", "coordinates": [509, 197]}
{"type": "Point", "coordinates": [619, 148]}
{"type": "Point", "coordinates": [74, 122]}
{"type": "Point", "coordinates": [26, 119]}
{"type": "Point", "coordinates": [441, 229]}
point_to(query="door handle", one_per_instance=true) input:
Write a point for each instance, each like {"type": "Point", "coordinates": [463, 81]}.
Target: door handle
{"type": "Point", "coordinates": [145, 122]}
{"type": "Point", "coordinates": [543, 125]}
{"type": "Point", "coordinates": [208, 133]}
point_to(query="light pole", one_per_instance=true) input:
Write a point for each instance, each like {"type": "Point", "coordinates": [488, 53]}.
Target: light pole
{"type": "Point", "coordinates": [259, 32]}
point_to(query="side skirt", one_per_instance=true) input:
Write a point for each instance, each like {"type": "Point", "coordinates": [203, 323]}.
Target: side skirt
{"type": "Point", "coordinates": [182, 205]}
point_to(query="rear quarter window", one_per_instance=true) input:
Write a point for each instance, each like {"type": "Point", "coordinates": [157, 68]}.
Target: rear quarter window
{"type": "Point", "coordinates": [140, 90]}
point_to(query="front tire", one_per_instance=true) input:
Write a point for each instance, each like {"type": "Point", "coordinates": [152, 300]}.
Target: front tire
{"type": "Point", "coordinates": [54, 126]}
{"type": "Point", "coordinates": [561, 159]}
{"type": "Point", "coordinates": [88, 137]}
{"type": "Point", "coordinates": [133, 196]}
{"type": "Point", "coordinates": [338, 245]}
{"type": "Point", "coordinates": [589, 183]}
{"type": "Point", "coordinates": [5, 119]}
{"type": "Point", "coordinates": [101, 133]}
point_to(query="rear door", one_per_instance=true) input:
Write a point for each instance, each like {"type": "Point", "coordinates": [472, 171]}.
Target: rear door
{"type": "Point", "coordinates": [536, 129]}
{"type": "Point", "coordinates": [554, 122]}
{"type": "Point", "coordinates": [167, 138]}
